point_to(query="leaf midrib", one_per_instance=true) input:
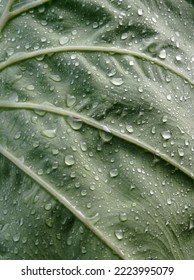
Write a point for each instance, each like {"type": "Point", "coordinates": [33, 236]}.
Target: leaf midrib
{"type": "Point", "coordinates": [93, 123]}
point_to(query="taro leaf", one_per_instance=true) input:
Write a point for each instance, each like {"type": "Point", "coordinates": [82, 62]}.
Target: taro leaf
{"type": "Point", "coordinates": [96, 129]}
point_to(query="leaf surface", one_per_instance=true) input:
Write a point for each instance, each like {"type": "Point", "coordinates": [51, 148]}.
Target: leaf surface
{"type": "Point", "coordinates": [96, 129]}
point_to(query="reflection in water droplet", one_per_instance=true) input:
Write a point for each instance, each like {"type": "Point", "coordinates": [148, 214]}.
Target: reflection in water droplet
{"type": "Point", "coordinates": [117, 81]}
{"type": "Point", "coordinates": [119, 234]}
{"type": "Point", "coordinates": [166, 134]}
{"type": "Point", "coordinates": [69, 160]}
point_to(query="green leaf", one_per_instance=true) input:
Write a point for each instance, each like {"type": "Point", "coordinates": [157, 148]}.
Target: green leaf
{"type": "Point", "coordinates": [96, 129]}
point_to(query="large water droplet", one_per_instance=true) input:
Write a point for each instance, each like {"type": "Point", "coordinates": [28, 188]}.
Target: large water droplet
{"type": "Point", "coordinates": [114, 172]}
{"type": "Point", "coordinates": [50, 133]}
{"type": "Point", "coordinates": [63, 40]}
{"type": "Point", "coordinates": [106, 136]}
{"type": "Point", "coordinates": [123, 216]}
{"type": "Point", "coordinates": [119, 234]}
{"type": "Point", "coordinates": [166, 134]}
{"type": "Point", "coordinates": [70, 100]}
{"type": "Point", "coordinates": [162, 54]}
{"type": "Point", "coordinates": [129, 128]}
{"type": "Point", "coordinates": [76, 124]}
{"type": "Point", "coordinates": [69, 160]}
{"type": "Point", "coordinates": [117, 81]}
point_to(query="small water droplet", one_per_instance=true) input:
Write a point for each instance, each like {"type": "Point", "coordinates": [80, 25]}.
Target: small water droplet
{"type": "Point", "coordinates": [123, 216]}
{"type": "Point", "coordinates": [191, 224]}
{"type": "Point", "coordinates": [63, 40]}
{"type": "Point", "coordinates": [114, 172]}
{"type": "Point", "coordinates": [178, 58]}
{"type": "Point", "coordinates": [48, 206]}
{"type": "Point", "coordinates": [30, 87]}
{"type": "Point", "coordinates": [55, 78]}
{"type": "Point", "coordinates": [117, 81]}
{"type": "Point", "coordinates": [119, 234]}
{"type": "Point", "coordinates": [169, 97]}
{"type": "Point", "coordinates": [181, 152]}
{"type": "Point", "coordinates": [169, 201]}
{"type": "Point", "coordinates": [129, 128]}
{"type": "Point", "coordinates": [10, 51]}
{"type": "Point", "coordinates": [55, 152]}
{"type": "Point", "coordinates": [140, 12]}
{"type": "Point", "coordinates": [164, 119]}
{"type": "Point", "coordinates": [153, 130]}
{"type": "Point", "coordinates": [166, 134]}
{"type": "Point", "coordinates": [105, 136]}
{"type": "Point", "coordinates": [162, 54]}
{"type": "Point", "coordinates": [124, 36]}
{"type": "Point", "coordinates": [76, 124]}
{"type": "Point", "coordinates": [70, 100]}
{"type": "Point", "coordinates": [83, 146]}
{"type": "Point", "coordinates": [83, 192]}
{"type": "Point", "coordinates": [94, 219]}
{"type": "Point", "coordinates": [69, 160]}
{"type": "Point", "coordinates": [16, 237]}
{"type": "Point", "coordinates": [17, 135]}
{"type": "Point", "coordinates": [50, 133]}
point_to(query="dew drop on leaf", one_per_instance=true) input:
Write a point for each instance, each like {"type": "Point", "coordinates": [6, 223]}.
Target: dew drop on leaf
{"type": "Point", "coordinates": [117, 81]}
{"type": "Point", "coordinates": [162, 54]}
{"type": "Point", "coordinates": [119, 234]}
{"type": "Point", "coordinates": [129, 128]}
{"type": "Point", "coordinates": [69, 160]}
{"type": "Point", "coordinates": [114, 173]}
{"type": "Point", "coordinates": [166, 134]}
{"type": "Point", "coordinates": [63, 40]}
{"type": "Point", "coordinates": [49, 133]}
{"type": "Point", "coordinates": [70, 100]}
{"type": "Point", "coordinates": [123, 216]}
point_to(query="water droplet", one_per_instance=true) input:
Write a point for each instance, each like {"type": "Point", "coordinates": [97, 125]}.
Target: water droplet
{"type": "Point", "coordinates": [117, 81]}
{"type": "Point", "coordinates": [140, 12]}
{"type": "Point", "coordinates": [17, 135]}
{"type": "Point", "coordinates": [123, 216]}
{"type": "Point", "coordinates": [181, 152]}
{"type": "Point", "coordinates": [10, 51]}
{"type": "Point", "coordinates": [70, 100]}
{"type": "Point", "coordinates": [55, 152]}
{"type": "Point", "coordinates": [30, 87]}
{"type": "Point", "coordinates": [94, 219]}
{"type": "Point", "coordinates": [166, 134]}
{"type": "Point", "coordinates": [169, 97]}
{"type": "Point", "coordinates": [191, 224]}
{"type": "Point", "coordinates": [63, 40]}
{"type": "Point", "coordinates": [119, 234]}
{"type": "Point", "coordinates": [169, 201]}
{"type": "Point", "coordinates": [40, 172]}
{"type": "Point", "coordinates": [36, 144]}
{"type": "Point", "coordinates": [105, 136]}
{"type": "Point", "coordinates": [83, 192]}
{"type": "Point", "coordinates": [124, 36]}
{"type": "Point", "coordinates": [69, 160]}
{"type": "Point", "coordinates": [129, 128]}
{"type": "Point", "coordinates": [83, 146]}
{"type": "Point", "coordinates": [50, 133]}
{"type": "Point", "coordinates": [178, 58]}
{"type": "Point", "coordinates": [76, 124]}
{"type": "Point", "coordinates": [55, 78]}
{"type": "Point", "coordinates": [153, 130]}
{"type": "Point", "coordinates": [162, 54]}
{"type": "Point", "coordinates": [48, 206]}
{"type": "Point", "coordinates": [16, 237]}
{"type": "Point", "coordinates": [164, 119]}
{"type": "Point", "coordinates": [114, 173]}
